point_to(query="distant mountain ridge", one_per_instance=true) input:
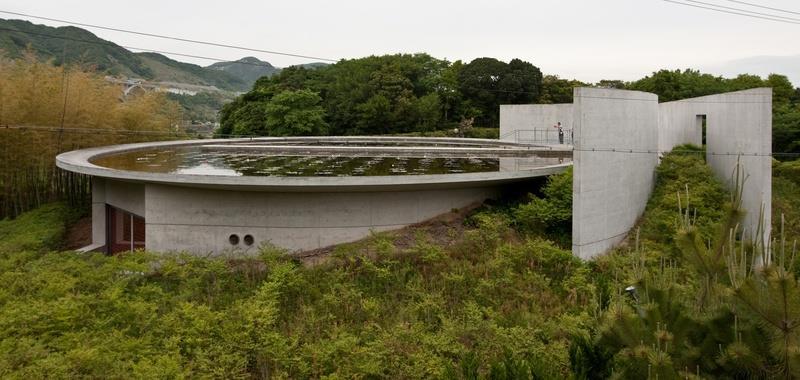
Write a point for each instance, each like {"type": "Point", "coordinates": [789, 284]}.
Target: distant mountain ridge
{"type": "Point", "coordinates": [79, 46]}
{"type": "Point", "coordinates": [248, 69]}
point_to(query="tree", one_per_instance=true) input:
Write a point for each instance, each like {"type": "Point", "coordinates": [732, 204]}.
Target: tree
{"type": "Point", "coordinates": [429, 112]}
{"type": "Point", "coordinates": [486, 83]}
{"type": "Point", "coordinates": [447, 89]}
{"type": "Point", "coordinates": [675, 85]}
{"type": "Point", "coordinates": [249, 120]}
{"type": "Point", "coordinates": [610, 83]}
{"type": "Point", "coordinates": [557, 91]}
{"type": "Point", "coordinates": [782, 89]}
{"type": "Point", "coordinates": [295, 113]}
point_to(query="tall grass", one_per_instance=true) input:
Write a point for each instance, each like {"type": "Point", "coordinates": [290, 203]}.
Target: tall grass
{"type": "Point", "coordinates": [46, 110]}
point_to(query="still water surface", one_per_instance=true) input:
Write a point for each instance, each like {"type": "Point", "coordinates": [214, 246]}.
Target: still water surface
{"type": "Point", "coordinates": [195, 160]}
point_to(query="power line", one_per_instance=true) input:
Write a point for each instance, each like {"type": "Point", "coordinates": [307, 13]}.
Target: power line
{"type": "Point", "coordinates": [106, 43]}
{"type": "Point", "coordinates": [744, 10]}
{"type": "Point", "coordinates": [217, 44]}
{"type": "Point", "coordinates": [763, 7]}
{"type": "Point", "coordinates": [732, 12]}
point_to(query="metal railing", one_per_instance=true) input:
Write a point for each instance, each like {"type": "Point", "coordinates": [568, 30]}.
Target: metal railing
{"type": "Point", "coordinates": [550, 136]}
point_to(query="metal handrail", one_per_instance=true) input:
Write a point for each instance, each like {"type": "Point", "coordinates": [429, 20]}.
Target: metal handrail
{"type": "Point", "coordinates": [541, 136]}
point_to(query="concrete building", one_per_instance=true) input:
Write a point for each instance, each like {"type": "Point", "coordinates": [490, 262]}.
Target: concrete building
{"type": "Point", "coordinates": [619, 135]}
{"type": "Point", "coordinates": [211, 212]}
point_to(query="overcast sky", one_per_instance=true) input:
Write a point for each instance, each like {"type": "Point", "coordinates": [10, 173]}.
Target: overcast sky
{"type": "Point", "coordinates": [583, 39]}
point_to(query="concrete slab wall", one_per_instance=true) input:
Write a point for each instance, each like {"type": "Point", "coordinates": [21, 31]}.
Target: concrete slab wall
{"type": "Point", "coordinates": [98, 211]}
{"type": "Point", "coordinates": [678, 124]}
{"type": "Point", "coordinates": [527, 117]}
{"type": "Point", "coordinates": [610, 188]}
{"type": "Point", "coordinates": [128, 196]}
{"type": "Point", "coordinates": [182, 218]}
{"type": "Point", "coordinates": [736, 122]}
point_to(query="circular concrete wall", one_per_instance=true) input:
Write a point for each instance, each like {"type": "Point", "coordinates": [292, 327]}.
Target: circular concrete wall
{"type": "Point", "coordinates": [201, 213]}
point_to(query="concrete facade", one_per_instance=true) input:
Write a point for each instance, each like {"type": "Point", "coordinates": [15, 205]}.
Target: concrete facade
{"type": "Point", "coordinates": [188, 219]}
{"type": "Point", "coordinates": [533, 123]}
{"type": "Point", "coordinates": [611, 189]}
{"type": "Point", "coordinates": [619, 136]}
{"type": "Point", "coordinates": [198, 213]}
{"type": "Point", "coordinates": [738, 129]}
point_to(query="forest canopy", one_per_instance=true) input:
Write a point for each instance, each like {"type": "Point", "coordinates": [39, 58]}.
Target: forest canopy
{"type": "Point", "coordinates": [391, 94]}
{"type": "Point", "coordinates": [417, 93]}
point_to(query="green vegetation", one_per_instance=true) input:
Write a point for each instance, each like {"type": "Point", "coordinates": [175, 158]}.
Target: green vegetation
{"type": "Point", "coordinates": [290, 113]}
{"type": "Point", "coordinates": [202, 107]}
{"type": "Point", "coordinates": [495, 297]}
{"type": "Point", "coordinates": [707, 308]}
{"type": "Point", "coordinates": [786, 197]}
{"type": "Point", "coordinates": [39, 230]}
{"type": "Point", "coordinates": [393, 94]}
{"type": "Point", "coordinates": [103, 55]}
{"type": "Point", "coordinates": [248, 69]}
{"type": "Point", "coordinates": [401, 94]}
{"type": "Point", "coordinates": [489, 299]}
{"type": "Point", "coordinates": [550, 214]}
{"type": "Point", "coordinates": [82, 48]}
{"type": "Point", "coordinates": [170, 70]}
{"type": "Point", "coordinates": [47, 98]}
{"type": "Point", "coordinates": [372, 310]}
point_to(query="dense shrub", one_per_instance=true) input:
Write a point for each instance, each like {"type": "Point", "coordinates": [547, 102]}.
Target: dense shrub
{"type": "Point", "coordinates": [38, 230]}
{"type": "Point", "coordinates": [551, 213]}
{"type": "Point", "coordinates": [683, 179]}
{"type": "Point", "coordinates": [496, 302]}
{"type": "Point", "coordinates": [484, 306]}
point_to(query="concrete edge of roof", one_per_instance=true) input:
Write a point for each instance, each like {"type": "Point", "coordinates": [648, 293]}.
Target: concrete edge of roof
{"type": "Point", "coordinates": [78, 161]}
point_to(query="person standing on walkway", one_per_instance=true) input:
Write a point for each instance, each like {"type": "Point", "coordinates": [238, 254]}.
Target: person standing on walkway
{"type": "Point", "coordinates": [560, 132]}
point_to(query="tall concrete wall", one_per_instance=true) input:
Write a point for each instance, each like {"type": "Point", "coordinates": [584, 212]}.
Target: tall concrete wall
{"type": "Point", "coordinates": [736, 123]}
{"type": "Point", "coordinates": [201, 220]}
{"type": "Point", "coordinates": [611, 188]}
{"type": "Point", "coordinates": [98, 211]}
{"type": "Point", "coordinates": [678, 124]}
{"type": "Point", "coordinates": [527, 117]}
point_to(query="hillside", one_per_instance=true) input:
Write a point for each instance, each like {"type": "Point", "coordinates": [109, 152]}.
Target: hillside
{"type": "Point", "coordinates": [82, 47]}
{"type": "Point", "coordinates": [16, 36]}
{"type": "Point", "coordinates": [248, 69]}
{"type": "Point", "coordinates": [169, 70]}
{"type": "Point", "coordinates": [476, 298]}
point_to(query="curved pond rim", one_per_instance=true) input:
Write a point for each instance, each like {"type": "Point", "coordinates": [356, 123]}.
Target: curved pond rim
{"type": "Point", "coordinates": [78, 161]}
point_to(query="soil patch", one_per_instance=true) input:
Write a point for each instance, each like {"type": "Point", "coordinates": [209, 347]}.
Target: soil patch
{"type": "Point", "coordinates": [442, 230]}
{"type": "Point", "coordinates": [79, 234]}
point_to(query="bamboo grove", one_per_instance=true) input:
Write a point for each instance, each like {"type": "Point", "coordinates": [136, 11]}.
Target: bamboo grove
{"type": "Point", "coordinates": [46, 110]}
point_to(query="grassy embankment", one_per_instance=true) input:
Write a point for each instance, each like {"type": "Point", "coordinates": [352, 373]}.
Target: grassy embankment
{"type": "Point", "coordinates": [492, 299]}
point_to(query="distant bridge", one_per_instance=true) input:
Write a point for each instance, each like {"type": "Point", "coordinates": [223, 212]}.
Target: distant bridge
{"type": "Point", "coordinates": [128, 85]}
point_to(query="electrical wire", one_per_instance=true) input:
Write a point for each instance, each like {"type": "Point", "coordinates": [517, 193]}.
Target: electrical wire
{"type": "Point", "coordinates": [763, 7]}
{"type": "Point", "coordinates": [106, 43]}
{"type": "Point", "coordinates": [732, 12]}
{"type": "Point", "coordinates": [744, 10]}
{"type": "Point", "coordinates": [217, 44]}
